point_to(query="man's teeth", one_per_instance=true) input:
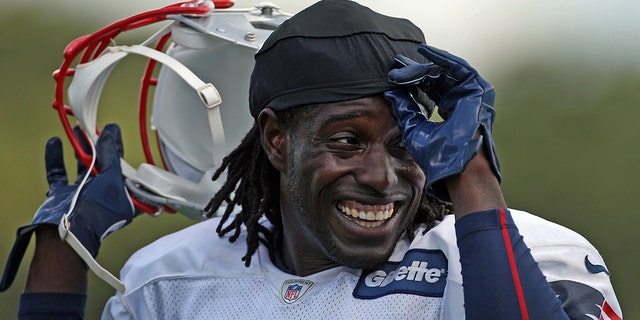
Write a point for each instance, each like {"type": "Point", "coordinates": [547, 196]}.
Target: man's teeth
{"type": "Point", "coordinates": [369, 215]}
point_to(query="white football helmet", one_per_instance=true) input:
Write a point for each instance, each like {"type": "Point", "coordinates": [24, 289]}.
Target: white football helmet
{"type": "Point", "coordinates": [200, 104]}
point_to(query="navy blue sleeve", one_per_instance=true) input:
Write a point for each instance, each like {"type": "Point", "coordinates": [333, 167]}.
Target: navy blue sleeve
{"type": "Point", "coordinates": [40, 306]}
{"type": "Point", "coordinates": [501, 280]}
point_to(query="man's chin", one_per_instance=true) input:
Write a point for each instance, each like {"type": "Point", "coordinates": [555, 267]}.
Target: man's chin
{"type": "Point", "coordinates": [363, 260]}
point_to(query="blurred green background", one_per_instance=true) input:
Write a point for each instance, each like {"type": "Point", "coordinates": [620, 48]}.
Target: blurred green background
{"type": "Point", "coordinates": [566, 136]}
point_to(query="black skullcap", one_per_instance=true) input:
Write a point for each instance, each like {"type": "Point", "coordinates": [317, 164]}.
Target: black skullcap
{"type": "Point", "coordinates": [334, 50]}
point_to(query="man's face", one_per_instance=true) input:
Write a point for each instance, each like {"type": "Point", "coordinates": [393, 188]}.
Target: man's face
{"type": "Point", "coordinates": [350, 188]}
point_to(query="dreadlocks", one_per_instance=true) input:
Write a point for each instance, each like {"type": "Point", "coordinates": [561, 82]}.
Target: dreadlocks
{"type": "Point", "coordinates": [254, 184]}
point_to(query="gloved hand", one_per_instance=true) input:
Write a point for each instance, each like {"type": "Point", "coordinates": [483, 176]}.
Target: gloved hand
{"type": "Point", "coordinates": [102, 206]}
{"type": "Point", "coordinates": [465, 102]}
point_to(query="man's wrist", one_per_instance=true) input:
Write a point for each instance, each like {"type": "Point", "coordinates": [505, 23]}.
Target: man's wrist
{"type": "Point", "coordinates": [55, 266]}
{"type": "Point", "coordinates": [475, 189]}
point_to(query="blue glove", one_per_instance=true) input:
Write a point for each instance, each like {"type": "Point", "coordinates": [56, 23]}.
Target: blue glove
{"type": "Point", "coordinates": [102, 206]}
{"type": "Point", "coordinates": [465, 102]}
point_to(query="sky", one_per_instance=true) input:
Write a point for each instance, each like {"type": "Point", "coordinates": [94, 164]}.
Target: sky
{"type": "Point", "coordinates": [488, 33]}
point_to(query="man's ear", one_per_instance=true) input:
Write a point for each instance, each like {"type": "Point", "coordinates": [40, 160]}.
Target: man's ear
{"type": "Point", "coordinates": [274, 137]}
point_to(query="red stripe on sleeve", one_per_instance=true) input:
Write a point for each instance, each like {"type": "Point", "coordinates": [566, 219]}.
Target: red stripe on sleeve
{"type": "Point", "coordinates": [606, 308]}
{"type": "Point", "coordinates": [513, 266]}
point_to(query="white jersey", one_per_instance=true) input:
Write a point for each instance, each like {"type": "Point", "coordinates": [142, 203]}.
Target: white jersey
{"type": "Point", "coordinates": [194, 274]}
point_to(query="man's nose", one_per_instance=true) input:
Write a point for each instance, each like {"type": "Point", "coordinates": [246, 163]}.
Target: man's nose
{"type": "Point", "coordinates": [376, 169]}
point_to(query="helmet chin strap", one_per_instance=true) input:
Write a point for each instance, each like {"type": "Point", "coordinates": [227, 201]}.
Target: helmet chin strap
{"type": "Point", "coordinates": [84, 94]}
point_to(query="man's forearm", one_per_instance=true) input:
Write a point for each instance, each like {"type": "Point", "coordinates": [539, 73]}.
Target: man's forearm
{"type": "Point", "coordinates": [55, 266]}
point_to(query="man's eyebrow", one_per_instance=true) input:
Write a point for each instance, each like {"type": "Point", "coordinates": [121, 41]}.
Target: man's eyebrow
{"type": "Point", "coordinates": [347, 116]}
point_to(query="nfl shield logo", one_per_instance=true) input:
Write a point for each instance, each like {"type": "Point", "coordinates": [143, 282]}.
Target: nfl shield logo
{"type": "Point", "coordinates": [294, 289]}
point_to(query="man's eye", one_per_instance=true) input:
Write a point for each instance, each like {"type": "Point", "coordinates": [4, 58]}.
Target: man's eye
{"type": "Point", "coordinates": [398, 150]}
{"type": "Point", "coordinates": [398, 144]}
{"type": "Point", "coordinates": [346, 140]}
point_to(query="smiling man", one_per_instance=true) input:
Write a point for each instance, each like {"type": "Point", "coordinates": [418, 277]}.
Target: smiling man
{"type": "Point", "coordinates": [346, 181]}
{"type": "Point", "coordinates": [345, 201]}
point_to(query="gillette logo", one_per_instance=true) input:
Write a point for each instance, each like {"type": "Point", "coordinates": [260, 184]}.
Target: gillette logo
{"type": "Point", "coordinates": [421, 272]}
{"type": "Point", "coordinates": [417, 271]}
